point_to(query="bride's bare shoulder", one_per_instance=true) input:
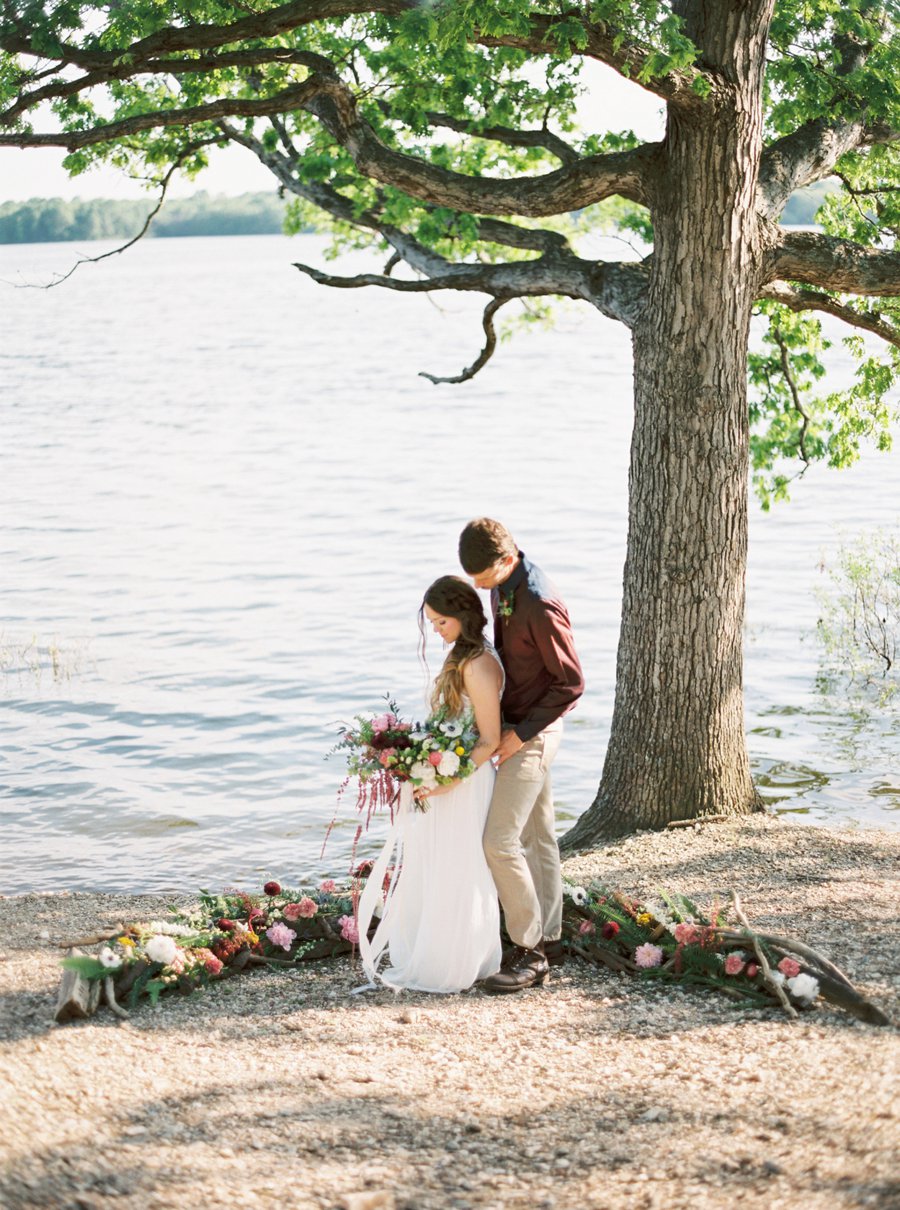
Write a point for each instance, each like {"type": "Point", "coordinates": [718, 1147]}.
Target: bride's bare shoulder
{"type": "Point", "coordinates": [483, 669]}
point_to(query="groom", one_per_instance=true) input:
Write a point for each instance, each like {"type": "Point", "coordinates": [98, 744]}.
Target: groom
{"type": "Point", "coordinates": [533, 637]}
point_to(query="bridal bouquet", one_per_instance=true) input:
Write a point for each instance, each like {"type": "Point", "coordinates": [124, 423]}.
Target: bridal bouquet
{"type": "Point", "coordinates": [383, 750]}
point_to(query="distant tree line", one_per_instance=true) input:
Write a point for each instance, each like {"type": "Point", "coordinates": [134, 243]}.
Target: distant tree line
{"type": "Point", "coordinates": [43, 220]}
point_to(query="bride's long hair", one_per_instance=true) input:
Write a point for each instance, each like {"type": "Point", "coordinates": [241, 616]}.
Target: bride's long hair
{"type": "Point", "coordinates": [453, 597]}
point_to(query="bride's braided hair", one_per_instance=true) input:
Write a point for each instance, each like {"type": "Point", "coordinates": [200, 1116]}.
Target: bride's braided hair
{"type": "Point", "coordinates": [453, 597]}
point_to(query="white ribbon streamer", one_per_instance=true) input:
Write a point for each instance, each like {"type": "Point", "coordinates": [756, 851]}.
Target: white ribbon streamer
{"type": "Point", "coordinates": [371, 951]}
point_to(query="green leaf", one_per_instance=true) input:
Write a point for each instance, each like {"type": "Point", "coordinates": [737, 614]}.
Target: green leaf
{"type": "Point", "coordinates": [88, 967]}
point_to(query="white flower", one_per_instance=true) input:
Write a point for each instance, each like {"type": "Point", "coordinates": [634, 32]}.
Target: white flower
{"type": "Point", "coordinates": [418, 736]}
{"type": "Point", "coordinates": [776, 977]}
{"type": "Point", "coordinates": [423, 771]}
{"type": "Point", "coordinates": [449, 765]}
{"type": "Point", "coordinates": [803, 988]}
{"type": "Point", "coordinates": [108, 959]}
{"type": "Point", "coordinates": [452, 729]}
{"type": "Point", "coordinates": [169, 929]}
{"type": "Point", "coordinates": [578, 894]}
{"type": "Point", "coordinates": [161, 949]}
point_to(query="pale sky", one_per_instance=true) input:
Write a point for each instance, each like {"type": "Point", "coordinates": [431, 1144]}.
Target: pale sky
{"type": "Point", "coordinates": [612, 104]}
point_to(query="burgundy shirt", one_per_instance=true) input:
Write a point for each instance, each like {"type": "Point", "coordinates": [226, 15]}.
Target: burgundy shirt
{"type": "Point", "coordinates": [533, 636]}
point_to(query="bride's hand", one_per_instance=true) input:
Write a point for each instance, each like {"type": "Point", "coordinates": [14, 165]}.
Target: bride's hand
{"type": "Point", "coordinates": [423, 793]}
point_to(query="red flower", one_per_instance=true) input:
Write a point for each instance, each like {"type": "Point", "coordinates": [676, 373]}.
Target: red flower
{"type": "Point", "coordinates": [363, 870]}
{"type": "Point", "coordinates": [752, 970]}
{"type": "Point", "coordinates": [227, 926]}
{"type": "Point", "coordinates": [225, 948]}
{"type": "Point", "coordinates": [272, 888]}
{"type": "Point", "coordinates": [609, 930]}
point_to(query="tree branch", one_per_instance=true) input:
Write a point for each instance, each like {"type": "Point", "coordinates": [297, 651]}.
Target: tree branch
{"type": "Point", "coordinates": [174, 39]}
{"type": "Point", "coordinates": [61, 87]}
{"type": "Point", "coordinates": [618, 290]}
{"type": "Point", "coordinates": [812, 300]}
{"type": "Point", "coordinates": [589, 180]}
{"type": "Point", "coordinates": [607, 45]}
{"type": "Point", "coordinates": [835, 264]}
{"type": "Point", "coordinates": [289, 98]}
{"type": "Point", "coordinates": [490, 344]}
{"type": "Point", "coordinates": [795, 395]}
{"type": "Point", "coordinates": [287, 168]}
{"type": "Point", "coordinates": [512, 138]}
{"type": "Point", "coordinates": [810, 153]}
{"type": "Point", "coordinates": [164, 186]}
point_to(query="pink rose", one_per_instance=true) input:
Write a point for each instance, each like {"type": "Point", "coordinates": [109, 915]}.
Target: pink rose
{"type": "Point", "coordinates": [386, 755]}
{"type": "Point", "coordinates": [383, 722]}
{"type": "Point", "coordinates": [434, 758]}
{"type": "Point", "coordinates": [328, 887]}
{"type": "Point", "coordinates": [586, 927]}
{"type": "Point", "coordinates": [789, 967]}
{"type": "Point", "coordinates": [213, 965]}
{"type": "Point", "coordinates": [734, 964]}
{"type": "Point", "coordinates": [685, 933]}
{"type": "Point", "coordinates": [306, 908]}
{"type": "Point", "coordinates": [752, 970]}
{"type": "Point", "coordinates": [349, 929]}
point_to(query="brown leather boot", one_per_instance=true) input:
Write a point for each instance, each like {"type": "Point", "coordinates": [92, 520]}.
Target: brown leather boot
{"type": "Point", "coordinates": [523, 968]}
{"type": "Point", "coordinates": [554, 952]}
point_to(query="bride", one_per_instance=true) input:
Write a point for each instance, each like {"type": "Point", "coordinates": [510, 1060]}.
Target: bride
{"type": "Point", "coordinates": [440, 923]}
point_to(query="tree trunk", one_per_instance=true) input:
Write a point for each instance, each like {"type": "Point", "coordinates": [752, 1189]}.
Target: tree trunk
{"type": "Point", "coordinates": [677, 747]}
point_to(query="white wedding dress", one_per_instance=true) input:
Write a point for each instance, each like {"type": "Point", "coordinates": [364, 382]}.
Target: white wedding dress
{"type": "Point", "coordinates": [440, 924]}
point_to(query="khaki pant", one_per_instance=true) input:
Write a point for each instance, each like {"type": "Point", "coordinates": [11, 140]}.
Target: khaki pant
{"type": "Point", "coordinates": [520, 842]}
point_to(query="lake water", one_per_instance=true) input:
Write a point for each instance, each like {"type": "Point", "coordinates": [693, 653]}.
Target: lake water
{"type": "Point", "coordinates": [223, 492]}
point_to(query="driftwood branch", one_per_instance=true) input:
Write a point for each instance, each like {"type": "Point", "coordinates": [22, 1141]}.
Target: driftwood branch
{"type": "Point", "coordinates": [763, 961]}
{"type": "Point", "coordinates": [78, 997]}
{"type": "Point", "coordinates": [689, 823]}
{"type": "Point", "coordinates": [109, 995]}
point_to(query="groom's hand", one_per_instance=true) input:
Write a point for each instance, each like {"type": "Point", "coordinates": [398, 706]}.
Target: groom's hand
{"type": "Point", "coordinates": [509, 745]}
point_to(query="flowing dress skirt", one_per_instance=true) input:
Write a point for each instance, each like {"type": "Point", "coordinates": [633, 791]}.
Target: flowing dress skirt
{"type": "Point", "coordinates": [440, 925]}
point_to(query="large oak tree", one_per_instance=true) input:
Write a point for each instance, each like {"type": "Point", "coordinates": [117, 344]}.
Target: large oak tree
{"type": "Point", "coordinates": [446, 132]}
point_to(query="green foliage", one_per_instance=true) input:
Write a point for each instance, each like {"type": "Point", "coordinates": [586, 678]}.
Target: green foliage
{"type": "Point", "coordinates": [87, 967]}
{"type": "Point", "coordinates": [859, 627]}
{"type": "Point", "coordinates": [791, 423]}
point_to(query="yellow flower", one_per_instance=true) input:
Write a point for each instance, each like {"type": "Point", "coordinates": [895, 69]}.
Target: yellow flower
{"type": "Point", "coordinates": [459, 750]}
{"type": "Point", "coordinates": [251, 937]}
{"type": "Point", "coordinates": [125, 941]}
{"type": "Point", "coordinates": [644, 918]}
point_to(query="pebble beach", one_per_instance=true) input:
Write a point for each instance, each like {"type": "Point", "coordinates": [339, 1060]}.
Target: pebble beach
{"type": "Point", "coordinates": [599, 1090]}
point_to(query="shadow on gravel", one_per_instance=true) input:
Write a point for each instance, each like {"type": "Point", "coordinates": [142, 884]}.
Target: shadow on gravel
{"type": "Point", "coordinates": [305, 1145]}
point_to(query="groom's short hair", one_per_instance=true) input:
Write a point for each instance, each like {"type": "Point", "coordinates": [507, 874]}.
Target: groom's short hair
{"type": "Point", "coordinates": [483, 543]}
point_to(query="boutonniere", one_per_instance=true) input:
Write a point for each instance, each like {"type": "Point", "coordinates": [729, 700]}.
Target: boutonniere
{"type": "Point", "coordinates": [506, 604]}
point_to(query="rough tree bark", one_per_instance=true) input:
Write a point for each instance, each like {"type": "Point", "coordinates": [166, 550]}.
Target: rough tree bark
{"type": "Point", "coordinates": [677, 746]}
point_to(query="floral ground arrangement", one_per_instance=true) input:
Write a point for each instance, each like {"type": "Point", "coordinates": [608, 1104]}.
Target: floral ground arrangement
{"type": "Point", "coordinates": [221, 936]}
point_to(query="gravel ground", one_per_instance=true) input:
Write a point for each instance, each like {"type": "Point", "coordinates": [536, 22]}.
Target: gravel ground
{"type": "Point", "coordinates": [595, 1091]}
